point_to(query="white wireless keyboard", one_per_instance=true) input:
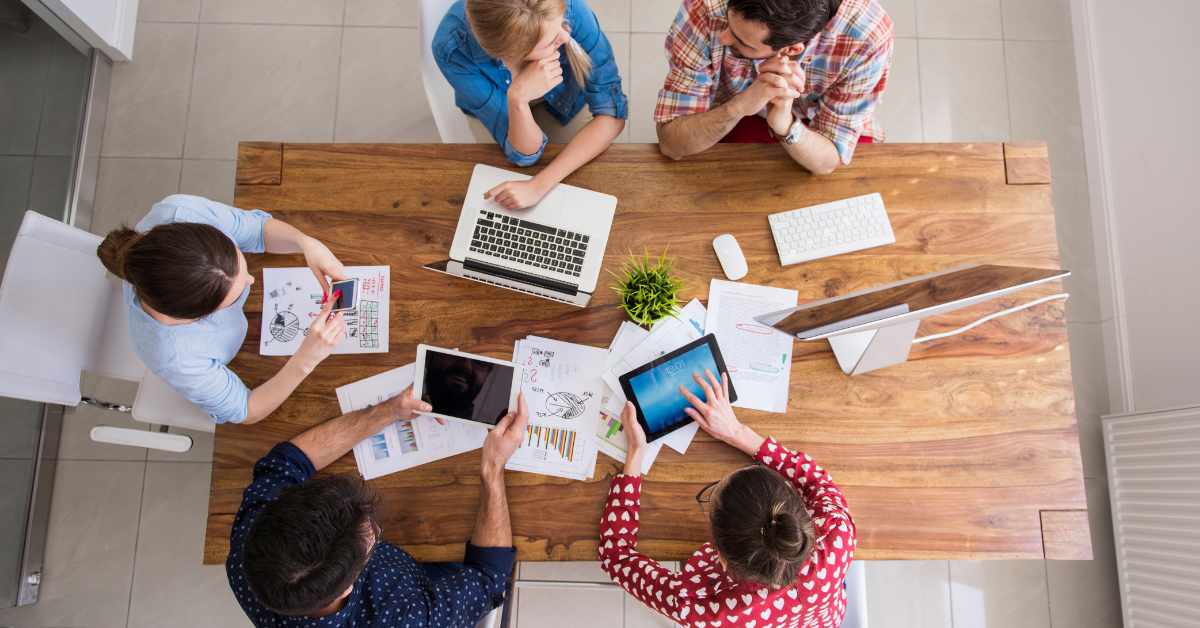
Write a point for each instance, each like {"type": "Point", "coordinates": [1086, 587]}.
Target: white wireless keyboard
{"type": "Point", "coordinates": [834, 228]}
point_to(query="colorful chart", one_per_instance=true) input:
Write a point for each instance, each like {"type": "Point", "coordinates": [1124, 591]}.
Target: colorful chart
{"type": "Point", "coordinates": [609, 425]}
{"type": "Point", "coordinates": [379, 447]}
{"type": "Point", "coordinates": [408, 440]}
{"type": "Point", "coordinates": [562, 441]}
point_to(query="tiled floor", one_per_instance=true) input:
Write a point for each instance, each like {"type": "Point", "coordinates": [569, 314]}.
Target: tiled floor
{"type": "Point", "coordinates": [127, 527]}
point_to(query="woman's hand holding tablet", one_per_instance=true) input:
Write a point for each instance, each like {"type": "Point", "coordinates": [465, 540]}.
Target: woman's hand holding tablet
{"type": "Point", "coordinates": [715, 415]}
{"type": "Point", "coordinates": [654, 388]}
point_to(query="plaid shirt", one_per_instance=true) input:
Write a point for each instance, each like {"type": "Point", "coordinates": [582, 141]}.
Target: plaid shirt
{"type": "Point", "coordinates": [845, 70]}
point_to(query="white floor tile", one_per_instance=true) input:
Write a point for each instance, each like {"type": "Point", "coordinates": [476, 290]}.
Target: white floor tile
{"type": "Point", "coordinates": [171, 552]}
{"type": "Point", "coordinates": [268, 83]}
{"type": "Point", "coordinates": [1037, 19]}
{"type": "Point", "coordinates": [126, 189]}
{"type": "Point", "coordinates": [963, 94]}
{"type": "Point", "coordinates": [908, 594]}
{"type": "Point", "coordinates": [89, 547]}
{"type": "Point", "coordinates": [1084, 593]}
{"type": "Point", "coordinates": [1044, 101]}
{"type": "Point", "coordinates": [1091, 394]}
{"type": "Point", "coordinates": [380, 100]}
{"type": "Point", "coordinates": [213, 179]}
{"type": "Point", "coordinates": [564, 571]}
{"type": "Point", "coordinates": [168, 11]}
{"type": "Point", "coordinates": [49, 185]}
{"type": "Point", "coordinates": [22, 429]}
{"type": "Point", "coordinates": [959, 19]}
{"type": "Point", "coordinates": [14, 504]}
{"type": "Point", "coordinates": [638, 615]}
{"type": "Point", "coordinates": [904, 16]}
{"type": "Point", "coordinates": [148, 97]}
{"type": "Point", "coordinates": [900, 112]}
{"type": "Point", "coordinates": [999, 593]}
{"type": "Point", "coordinates": [613, 15]}
{"type": "Point", "coordinates": [381, 13]}
{"type": "Point", "coordinates": [1076, 248]}
{"type": "Point", "coordinates": [311, 12]}
{"type": "Point", "coordinates": [58, 128]}
{"type": "Point", "coordinates": [24, 65]}
{"type": "Point", "coordinates": [654, 16]}
{"type": "Point", "coordinates": [578, 608]}
{"type": "Point", "coordinates": [650, 71]}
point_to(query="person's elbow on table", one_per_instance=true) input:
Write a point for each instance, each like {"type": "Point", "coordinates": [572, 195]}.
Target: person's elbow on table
{"type": "Point", "coordinates": [665, 143]}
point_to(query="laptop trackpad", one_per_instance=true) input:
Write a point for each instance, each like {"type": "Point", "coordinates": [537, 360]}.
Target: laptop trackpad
{"type": "Point", "coordinates": [549, 208]}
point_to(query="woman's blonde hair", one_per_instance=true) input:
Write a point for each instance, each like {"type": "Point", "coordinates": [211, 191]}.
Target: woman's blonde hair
{"type": "Point", "coordinates": [509, 29]}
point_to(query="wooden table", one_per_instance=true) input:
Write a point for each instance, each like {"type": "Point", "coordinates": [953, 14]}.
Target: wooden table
{"type": "Point", "coordinates": [969, 450]}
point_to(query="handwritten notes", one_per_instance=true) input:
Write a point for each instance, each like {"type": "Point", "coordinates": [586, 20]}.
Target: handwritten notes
{"type": "Point", "coordinates": [292, 299]}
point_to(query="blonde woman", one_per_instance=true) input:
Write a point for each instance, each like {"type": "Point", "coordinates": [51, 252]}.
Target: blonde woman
{"type": "Point", "coordinates": [504, 56]}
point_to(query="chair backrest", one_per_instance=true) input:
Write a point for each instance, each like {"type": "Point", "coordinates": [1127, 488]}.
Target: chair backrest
{"type": "Point", "coordinates": [451, 122]}
{"type": "Point", "coordinates": [60, 315]}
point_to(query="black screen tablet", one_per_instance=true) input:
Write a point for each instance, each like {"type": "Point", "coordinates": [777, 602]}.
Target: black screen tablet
{"type": "Point", "coordinates": [654, 387]}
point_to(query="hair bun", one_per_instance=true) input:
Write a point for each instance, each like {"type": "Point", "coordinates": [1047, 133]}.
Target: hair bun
{"type": "Point", "coordinates": [113, 250]}
{"type": "Point", "coordinates": [782, 534]}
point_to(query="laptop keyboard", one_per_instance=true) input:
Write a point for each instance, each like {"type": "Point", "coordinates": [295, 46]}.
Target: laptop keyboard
{"type": "Point", "coordinates": [529, 243]}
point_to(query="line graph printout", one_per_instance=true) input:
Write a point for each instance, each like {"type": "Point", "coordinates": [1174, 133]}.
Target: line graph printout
{"type": "Point", "coordinates": [292, 299]}
{"type": "Point", "coordinates": [562, 387]}
{"type": "Point", "coordinates": [758, 357]}
{"type": "Point", "coordinates": [403, 444]}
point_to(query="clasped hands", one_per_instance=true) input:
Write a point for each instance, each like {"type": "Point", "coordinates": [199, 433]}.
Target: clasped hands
{"type": "Point", "coordinates": [779, 83]}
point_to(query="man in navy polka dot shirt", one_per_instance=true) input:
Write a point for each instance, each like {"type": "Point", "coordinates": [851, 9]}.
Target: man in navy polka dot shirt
{"type": "Point", "coordinates": [306, 551]}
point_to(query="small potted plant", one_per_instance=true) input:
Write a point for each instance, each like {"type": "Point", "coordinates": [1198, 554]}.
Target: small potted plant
{"type": "Point", "coordinates": [649, 293]}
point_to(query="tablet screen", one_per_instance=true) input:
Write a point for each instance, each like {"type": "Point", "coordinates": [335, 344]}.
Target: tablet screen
{"type": "Point", "coordinates": [657, 389]}
{"type": "Point", "coordinates": [466, 388]}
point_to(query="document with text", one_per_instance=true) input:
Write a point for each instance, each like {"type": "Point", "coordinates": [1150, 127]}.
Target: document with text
{"type": "Point", "coordinates": [758, 357]}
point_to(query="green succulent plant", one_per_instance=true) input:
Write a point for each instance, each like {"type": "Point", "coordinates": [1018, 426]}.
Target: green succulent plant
{"type": "Point", "coordinates": [648, 292]}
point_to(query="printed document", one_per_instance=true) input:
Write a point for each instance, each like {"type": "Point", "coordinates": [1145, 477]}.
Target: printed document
{"type": "Point", "coordinates": [403, 444]}
{"type": "Point", "coordinates": [758, 357]}
{"type": "Point", "coordinates": [292, 299]}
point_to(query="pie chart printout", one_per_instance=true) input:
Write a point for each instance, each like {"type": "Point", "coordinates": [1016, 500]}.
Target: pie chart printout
{"type": "Point", "coordinates": [285, 326]}
{"type": "Point", "coordinates": [564, 404]}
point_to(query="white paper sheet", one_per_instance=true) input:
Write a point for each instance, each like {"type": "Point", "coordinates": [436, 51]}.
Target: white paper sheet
{"type": "Point", "coordinates": [403, 444]}
{"type": "Point", "coordinates": [292, 299]}
{"type": "Point", "coordinates": [563, 389]}
{"type": "Point", "coordinates": [667, 336]}
{"type": "Point", "coordinates": [610, 434]}
{"type": "Point", "coordinates": [758, 357]}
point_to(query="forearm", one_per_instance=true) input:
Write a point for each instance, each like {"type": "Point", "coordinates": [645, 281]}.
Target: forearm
{"type": "Point", "coordinates": [594, 138]}
{"type": "Point", "coordinates": [332, 439]}
{"type": "Point", "coordinates": [524, 134]}
{"type": "Point", "coordinates": [633, 462]}
{"type": "Point", "coordinates": [267, 397]}
{"type": "Point", "coordinates": [691, 134]}
{"type": "Point", "coordinates": [281, 237]}
{"type": "Point", "coordinates": [492, 526]}
{"type": "Point", "coordinates": [815, 152]}
{"type": "Point", "coordinates": [746, 440]}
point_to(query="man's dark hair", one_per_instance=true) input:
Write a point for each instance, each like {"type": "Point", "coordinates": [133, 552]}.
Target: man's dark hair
{"type": "Point", "coordinates": [760, 526]}
{"type": "Point", "coordinates": [790, 21]}
{"type": "Point", "coordinates": [310, 544]}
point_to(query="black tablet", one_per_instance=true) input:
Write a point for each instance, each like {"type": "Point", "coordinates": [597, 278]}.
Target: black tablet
{"type": "Point", "coordinates": [654, 387]}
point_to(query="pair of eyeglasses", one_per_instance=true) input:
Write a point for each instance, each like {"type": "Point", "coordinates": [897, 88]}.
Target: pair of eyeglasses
{"type": "Point", "coordinates": [705, 493]}
{"type": "Point", "coordinates": [378, 529]}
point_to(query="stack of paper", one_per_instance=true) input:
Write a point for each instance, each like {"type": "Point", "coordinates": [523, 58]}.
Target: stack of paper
{"type": "Point", "coordinates": [403, 444]}
{"type": "Point", "coordinates": [563, 390]}
{"type": "Point", "coordinates": [758, 357]}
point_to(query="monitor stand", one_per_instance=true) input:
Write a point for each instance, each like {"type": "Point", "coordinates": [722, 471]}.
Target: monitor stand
{"type": "Point", "coordinates": [863, 351]}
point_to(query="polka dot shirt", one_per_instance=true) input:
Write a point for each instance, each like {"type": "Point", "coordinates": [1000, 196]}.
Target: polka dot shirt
{"type": "Point", "coordinates": [394, 590]}
{"type": "Point", "coordinates": [704, 594]}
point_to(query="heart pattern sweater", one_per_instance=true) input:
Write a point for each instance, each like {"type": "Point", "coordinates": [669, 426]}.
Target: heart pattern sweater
{"type": "Point", "coordinates": [706, 595]}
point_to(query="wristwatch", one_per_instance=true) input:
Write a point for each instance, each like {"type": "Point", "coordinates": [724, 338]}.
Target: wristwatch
{"type": "Point", "coordinates": [793, 135]}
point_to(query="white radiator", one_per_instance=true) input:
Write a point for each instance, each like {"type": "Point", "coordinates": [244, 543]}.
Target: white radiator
{"type": "Point", "coordinates": [1154, 483]}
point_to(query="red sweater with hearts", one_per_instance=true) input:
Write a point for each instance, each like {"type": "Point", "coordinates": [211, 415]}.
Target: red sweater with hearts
{"type": "Point", "coordinates": [704, 594]}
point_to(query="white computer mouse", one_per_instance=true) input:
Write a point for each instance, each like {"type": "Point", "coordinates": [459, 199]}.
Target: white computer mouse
{"type": "Point", "coordinates": [730, 254]}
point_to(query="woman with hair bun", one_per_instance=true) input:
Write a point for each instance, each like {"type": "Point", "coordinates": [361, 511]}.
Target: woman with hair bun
{"type": "Point", "coordinates": [503, 57]}
{"type": "Point", "coordinates": [782, 538]}
{"type": "Point", "coordinates": [185, 282]}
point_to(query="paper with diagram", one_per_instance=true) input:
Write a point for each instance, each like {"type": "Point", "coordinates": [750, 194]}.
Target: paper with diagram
{"type": "Point", "coordinates": [403, 444]}
{"type": "Point", "coordinates": [292, 299]}
{"type": "Point", "coordinates": [562, 387]}
{"type": "Point", "coordinates": [758, 357]}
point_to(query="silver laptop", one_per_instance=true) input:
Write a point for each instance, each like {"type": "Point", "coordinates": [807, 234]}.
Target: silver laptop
{"type": "Point", "coordinates": [553, 250]}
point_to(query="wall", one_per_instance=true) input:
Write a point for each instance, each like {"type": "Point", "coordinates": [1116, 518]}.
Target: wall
{"type": "Point", "coordinates": [1136, 64]}
{"type": "Point", "coordinates": [105, 24]}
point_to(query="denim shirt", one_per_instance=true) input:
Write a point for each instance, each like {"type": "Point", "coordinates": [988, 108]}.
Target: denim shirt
{"type": "Point", "coordinates": [481, 81]}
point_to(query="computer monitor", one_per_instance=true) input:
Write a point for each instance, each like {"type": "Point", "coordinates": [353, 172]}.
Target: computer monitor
{"type": "Point", "coordinates": [874, 328]}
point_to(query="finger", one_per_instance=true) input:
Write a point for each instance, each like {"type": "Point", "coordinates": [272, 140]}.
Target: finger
{"type": "Point", "coordinates": [697, 417]}
{"type": "Point", "coordinates": [687, 394]}
{"type": "Point", "coordinates": [337, 272]}
{"type": "Point", "coordinates": [440, 420]}
{"type": "Point", "coordinates": [522, 411]}
{"type": "Point", "coordinates": [502, 195]}
{"type": "Point", "coordinates": [725, 383]}
{"type": "Point", "coordinates": [503, 424]}
{"type": "Point", "coordinates": [494, 191]}
{"type": "Point", "coordinates": [708, 392]}
{"type": "Point", "coordinates": [716, 385]}
{"type": "Point", "coordinates": [321, 280]}
{"type": "Point", "coordinates": [628, 413]}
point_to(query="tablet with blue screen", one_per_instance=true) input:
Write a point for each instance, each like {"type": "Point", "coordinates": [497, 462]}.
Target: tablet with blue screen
{"type": "Point", "coordinates": [654, 387]}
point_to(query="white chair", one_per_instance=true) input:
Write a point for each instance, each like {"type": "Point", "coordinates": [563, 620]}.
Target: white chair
{"type": "Point", "coordinates": [62, 316]}
{"type": "Point", "coordinates": [452, 124]}
{"type": "Point", "coordinates": [856, 596]}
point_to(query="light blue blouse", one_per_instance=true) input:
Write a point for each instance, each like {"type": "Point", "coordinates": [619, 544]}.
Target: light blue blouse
{"type": "Point", "coordinates": [192, 357]}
